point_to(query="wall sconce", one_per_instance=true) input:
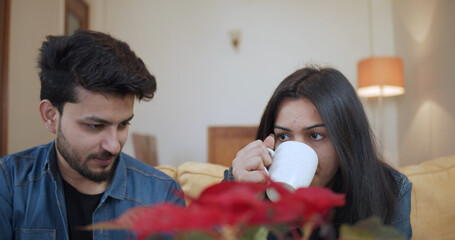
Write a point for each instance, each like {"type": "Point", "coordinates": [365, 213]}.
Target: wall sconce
{"type": "Point", "coordinates": [235, 36]}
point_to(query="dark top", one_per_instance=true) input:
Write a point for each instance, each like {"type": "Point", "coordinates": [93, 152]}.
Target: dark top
{"type": "Point", "coordinates": [79, 209]}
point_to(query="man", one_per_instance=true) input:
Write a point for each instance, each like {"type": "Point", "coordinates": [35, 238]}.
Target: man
{"type": "Point", "coordinates": [89, 82]}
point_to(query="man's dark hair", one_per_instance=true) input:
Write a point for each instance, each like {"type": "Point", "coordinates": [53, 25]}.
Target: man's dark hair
{"type": "Point", "coordinates": [94, 61]}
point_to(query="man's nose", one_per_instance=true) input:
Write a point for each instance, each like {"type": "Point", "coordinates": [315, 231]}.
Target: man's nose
{"type": "Point", "coordinates": [111, 142]}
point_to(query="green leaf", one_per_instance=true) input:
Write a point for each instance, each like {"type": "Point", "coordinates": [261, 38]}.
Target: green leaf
{"type": "Point", "coordinates": [279, 229]}
{"type": "Point", "coordinates": [370, 229]}
{"type": "Point", "coordinates": [352, 233]}
{"type": "Point", "coordinates": [256, 233]}
{"type": "Point", "coordinates": [194, 235]}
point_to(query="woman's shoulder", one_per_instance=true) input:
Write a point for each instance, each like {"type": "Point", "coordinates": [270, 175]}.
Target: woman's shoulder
{"type": "Point", "coordinates": [403, 183]}
{"type": "Point", "coordinates": [402, 216]}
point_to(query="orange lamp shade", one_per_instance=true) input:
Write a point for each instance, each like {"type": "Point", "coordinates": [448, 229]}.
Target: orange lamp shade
{"type": "Point", "coordinates": [380, 76]}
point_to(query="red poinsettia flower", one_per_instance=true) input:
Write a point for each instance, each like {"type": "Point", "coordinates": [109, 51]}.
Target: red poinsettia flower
{"type": "Point", "coordinates": [167, 218]}
{"type": "Point", "coordinates": [318, 200]}
{"type": "Point", "coordinates": [229, 204]}
{"type": "Point", "coordinates": [299, 206]}
{"type": "Point", "coordinates": [237, 202]}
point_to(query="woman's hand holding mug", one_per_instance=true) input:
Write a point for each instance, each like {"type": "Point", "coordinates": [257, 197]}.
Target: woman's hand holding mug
{"type": "Point", "coordinates": [294, 164]}
{"type": "Point", "coordinates": [248, 165]}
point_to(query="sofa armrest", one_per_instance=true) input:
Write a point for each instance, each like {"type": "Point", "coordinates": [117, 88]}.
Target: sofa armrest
{"type": "Point", "coordinates": [432, 198]}
{"type": "Point", "coordinates": [169, 170]}
{"type": "Point", "coordinates": [196, 176]}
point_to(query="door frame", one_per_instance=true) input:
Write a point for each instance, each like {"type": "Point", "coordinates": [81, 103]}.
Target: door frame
{"type": "Point", "coordinates": [5, 8]}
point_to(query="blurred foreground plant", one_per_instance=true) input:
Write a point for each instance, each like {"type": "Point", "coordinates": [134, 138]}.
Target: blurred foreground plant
{"type": "Point", "coordinates": [233, 211]}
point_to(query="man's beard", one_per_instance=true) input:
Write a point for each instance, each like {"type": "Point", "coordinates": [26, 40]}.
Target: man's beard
{"type": "Point", "coordinates": [74, 160]}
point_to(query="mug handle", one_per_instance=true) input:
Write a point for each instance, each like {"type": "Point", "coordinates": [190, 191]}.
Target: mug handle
{"type": "Point", "coordinates": [271, 152]}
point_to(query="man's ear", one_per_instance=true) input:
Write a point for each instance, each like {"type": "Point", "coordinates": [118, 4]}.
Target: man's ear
{"type": "Point", "coordinates": [49, 114]}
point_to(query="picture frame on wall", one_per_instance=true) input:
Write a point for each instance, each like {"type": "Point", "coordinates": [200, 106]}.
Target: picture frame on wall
{"type": "Point", "coordinates": [76, 16]}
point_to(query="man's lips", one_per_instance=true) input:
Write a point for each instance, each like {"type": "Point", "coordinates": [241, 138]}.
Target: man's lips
{"type": "Point", "coordinates": [104, 160]}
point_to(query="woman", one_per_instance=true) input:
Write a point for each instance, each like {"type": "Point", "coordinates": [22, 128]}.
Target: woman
{"type": "Point", "coordinates": [319, 106]}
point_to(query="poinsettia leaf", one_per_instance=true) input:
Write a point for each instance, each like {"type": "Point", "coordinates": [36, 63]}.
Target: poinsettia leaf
{"type": "Point", "coordinates": [277, 212]}
{"type": "Point", "coordinates": [229, 186]}
{"type": "Point", "coordinates": [318, 200]}
{"type": "Point", "coordinates": [238, 203]}
{"type": "Point", "coordinates": [349, 232]}
{"type": "Point", "coordinates": [193, 235]}
{"type": "Point", "coordinates": [124, 222]}
{"type": "Point", "coordinates": [278, 229]}
{"type": "Point", "coordinates": [370, 228]}
{"type": "Point", "coordinates": [243, 192]}
{"type": "Point", "coordinates": [169, 217]}
{"type": "Point", "coordinates": [255, 233]}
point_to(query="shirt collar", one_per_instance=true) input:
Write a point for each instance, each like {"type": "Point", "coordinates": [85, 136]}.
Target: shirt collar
{"type": "Point", "coordinates": [50, 164]}
{"type": "Point", "coordinates": [117, 187]}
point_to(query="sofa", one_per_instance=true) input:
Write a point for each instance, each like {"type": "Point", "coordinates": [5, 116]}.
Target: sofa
{"type": "Point", "coordinates": [432, 203]}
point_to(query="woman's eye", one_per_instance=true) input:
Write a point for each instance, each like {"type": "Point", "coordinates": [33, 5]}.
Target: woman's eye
{"type": "Point", "coordinates": [316, 136]}
{"type": "Point", "coordinates": [283, 137]}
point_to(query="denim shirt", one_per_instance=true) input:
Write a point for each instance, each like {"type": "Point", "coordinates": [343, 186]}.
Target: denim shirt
{"type": "Point", "coordinates": [402, 217]}
{"type": "Point", "coordinates": [32, 201]}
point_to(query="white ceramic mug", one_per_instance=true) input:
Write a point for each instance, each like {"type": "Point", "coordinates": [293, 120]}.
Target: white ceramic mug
{"type": "Point", "coordinates": [294, 165]}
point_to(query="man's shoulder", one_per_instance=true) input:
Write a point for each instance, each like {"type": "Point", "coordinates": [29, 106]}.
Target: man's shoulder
{"type": "Point", "coordinates": [25, 166]}
{"type": "Point", "coordinates": [26, 158]}
{"type": "Point", "coordinates": [30, 152]}
{"type": "Point", "coordinates": [149, 185]}
{"type": "Point", "coordinates": [143, 184]}
{"type": "Point", "coordinates": [139, 168]}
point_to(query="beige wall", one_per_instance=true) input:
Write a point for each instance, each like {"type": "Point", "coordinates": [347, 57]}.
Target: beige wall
{"type": "Point", "coordinates": [31, 21]}
{"type": "Point", "coordinates": [203, 81]}
{"type": "Point", "coordinates": [426, 113]}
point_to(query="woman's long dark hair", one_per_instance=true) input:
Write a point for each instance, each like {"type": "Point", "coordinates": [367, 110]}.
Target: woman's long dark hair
{"type": "Point", "coordinates": [369, 187]}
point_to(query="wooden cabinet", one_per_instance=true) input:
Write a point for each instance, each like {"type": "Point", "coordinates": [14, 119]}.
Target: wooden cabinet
{"type": "Point", "coordinates": [225, 141]}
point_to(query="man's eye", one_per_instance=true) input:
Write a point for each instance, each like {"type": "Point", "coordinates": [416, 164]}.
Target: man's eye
{"type": "Point", "coordinates": [316, 136]}
{"type": "Point", "coordinates": [93, 126]}
{"type": "Point", "coordinates": [124, 124]}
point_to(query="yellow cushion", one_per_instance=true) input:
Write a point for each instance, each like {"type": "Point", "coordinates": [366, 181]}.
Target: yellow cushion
{"type": "Point", "coordinates": [196, 176]}
{"type": "Point", "coordinates": [433, 198]}
{"type": "Point", "coordinates": [169, 170]}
